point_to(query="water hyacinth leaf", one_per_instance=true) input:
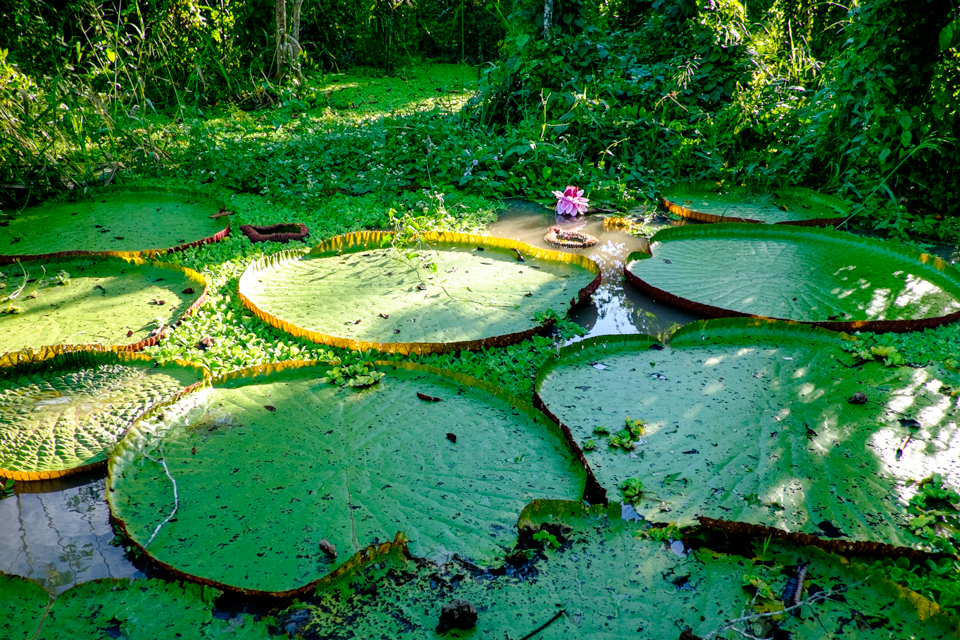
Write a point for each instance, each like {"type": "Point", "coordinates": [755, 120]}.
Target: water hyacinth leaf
{"type": "Point", "coordinates": [62, 415]}
{"type": "Point", "coordinates": [831, 279]}
{"type": "Point", "coordinates": [112, 302]}
{"type": "Point", "coordinates": [121, 221]}
{"type": "Point", "coordinates": [608, 580]}
{"type": "Point", "coordinates": [22, 605]}
{"type": "Point", "coordinates": [751, 421]}
{"type": "Point", "coordinates": [708, 201]}
{"type": "Point", "coordinates": [450, 292]}
{"type": "Point", "coordinates": [144, 609]}
{"type": "Point", "coordinates": [259, 488]}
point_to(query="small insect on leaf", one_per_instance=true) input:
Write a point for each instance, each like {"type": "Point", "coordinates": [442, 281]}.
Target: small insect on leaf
{"type": "Point", "coordinates": [424, 396]}
{"type": "Point", "coordinates": [452, 438]}
{"type": "Point", "coordinates": [129, 334]}
{"type": "Point", "coordinates": [193, 451]}
{"type": "Point", "coordinates": [385, 316]}
{"type": "Point", "coordinates": [187, 291]}
{"type": "Point", "coordinates": [270, 408]}
{"type": "Point", "coordinates": [422, 287]}
{"type": "Point", "coordinates": [519, 256]}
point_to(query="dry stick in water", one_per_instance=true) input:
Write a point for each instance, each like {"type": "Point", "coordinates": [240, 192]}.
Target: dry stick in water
{"type": "Point", "coordinates": [176, 498]}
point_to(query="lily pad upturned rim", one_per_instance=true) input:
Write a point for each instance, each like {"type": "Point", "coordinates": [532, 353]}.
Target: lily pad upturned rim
{"type": "Point", "coordinates": [711, 185]}
{"type": "Point", "coordinates": [933, 265]}
{"type": "Point", "coordinates": [274, 232]}
{"type": "Point", "coordinates": [40, 353]}
{"type": "Point", "coordinates": [720, 331]}
{"type": "Point", "coordinates": [143, 253]}
{"type": "Point", "coordinates": [366, 240]}
{"type": "Point", "coordinates": [365, 555]}
{"type": "Point", "coordinates": [73, 356]}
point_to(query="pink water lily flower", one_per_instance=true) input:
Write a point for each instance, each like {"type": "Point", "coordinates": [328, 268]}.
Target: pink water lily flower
{"type": "Point", "coordinates": [571, 202]}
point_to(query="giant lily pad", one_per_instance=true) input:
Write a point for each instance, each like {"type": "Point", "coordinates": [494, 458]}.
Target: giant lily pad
{"type": "Point", "coordinates": [267, 466]}
{"type": "Point", "coordinates": [607, 579]}
{"type": "Point", "coordinates": [452, 292]}
{"type": "Point", "coordinates": [711, 202]}
{"type": "Point", "coordinates": [119, 609]}
{"type": "Point", "coordinates": [751, 421]}
{"type": "Point", "coordinates": [22, 605]}
{"type": "Point", "coordinates": [112, 302]}
{"type": "Point", "coordinates": [122, 221]}
{"type": "Point", "coordinates": [830, 279]}
{"type": "Point", "coordinates": [62, 415]}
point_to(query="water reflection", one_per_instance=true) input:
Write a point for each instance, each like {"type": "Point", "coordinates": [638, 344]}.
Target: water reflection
{"type": "Point", "coordinates": [616, 307]}
{"type": "Point", "coordinates": [58, 533]}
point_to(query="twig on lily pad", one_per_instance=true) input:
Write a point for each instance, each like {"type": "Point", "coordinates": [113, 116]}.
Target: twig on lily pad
{"type": "Point", "coordinates": [544, 625]}
{"type": "Point", "coordinates": [731, 625]}
{"type": "Point", "coordinates": [176, 498]}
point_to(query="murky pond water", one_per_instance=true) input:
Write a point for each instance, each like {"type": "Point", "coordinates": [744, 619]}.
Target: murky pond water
{"type": "Point", "coordinates": [616, 307]}
{"type": "Point", "coordinates": [58, 533]}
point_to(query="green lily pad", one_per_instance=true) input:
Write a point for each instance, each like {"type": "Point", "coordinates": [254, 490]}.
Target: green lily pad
{"type": "Point", "coordinates": [709, 201]}
{"type": "Point", "coordinates": [144, 609]}
{"type": "Point", "coordinates": [607, 579]}
{"type": "Point", "coordinates": [119, 221]}
{"type": "Point", "coordinates": [112, 302]}
{"type": "Point", "coordinates": [266, 466]}
{"type": "Point", "coordinates": [830, 279]}
{"type": "Point", "coordinates": [22, 605]}
{"type": "Point", "coordinates": [751, 421]}
{"type": "Point", "coordinates": [451, 292]}
{"type": "Point", "coordinates": [61, 416]}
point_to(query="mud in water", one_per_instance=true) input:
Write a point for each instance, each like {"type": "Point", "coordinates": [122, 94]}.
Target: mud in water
{"type": "Point", "coordinates": [617, 307]}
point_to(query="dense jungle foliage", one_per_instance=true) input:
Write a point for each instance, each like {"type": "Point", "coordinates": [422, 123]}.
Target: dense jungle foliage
{"type": "Point", "coordinates": [624, 97]}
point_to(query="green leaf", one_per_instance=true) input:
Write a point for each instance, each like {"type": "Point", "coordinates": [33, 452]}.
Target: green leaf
{"type": "Point", "coordinates": [608, 581]}
{"type": "Point", "coordinates": [267, 466]}
{"type": "Point", "coordinates": [144, 609]}
{"type": "Point", "coordinates": [834, 279]}
{"type": "Point", "coordinates": [522, 40]}
{"type": "Point", "coordinates": [949, 36]}
{"type": "Point", "coordinates": [765, 433]}
{"type": "Point", "coordinates": [711, 202]}
{"type": "Point", "coordinates": [22, 605]}
{"type": "Point", "coordinates": [348, 292]}
{"type": "Point", "coordinates": [110, 302]}
{"type": "Point", "coordinates": [118, 220]}
{"type": "Point", "coordinates": [65, 417]}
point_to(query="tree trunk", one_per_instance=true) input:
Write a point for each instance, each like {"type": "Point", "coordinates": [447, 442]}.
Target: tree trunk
{"type": "Point", "coordinates": [295, 47]}
{"type": "Point", "coordinates": [547, 17]}
{"type": "Point", "coordinates": [281, 57]}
